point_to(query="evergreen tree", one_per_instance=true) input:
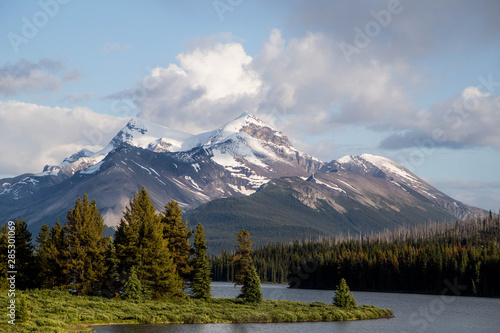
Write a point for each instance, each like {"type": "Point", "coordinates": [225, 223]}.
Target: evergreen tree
{"type": "Point", "coordinates": [112, 284]}
{"type": "Point", "coordinates": [251, 290]}
{"type": "Point", "coordinates": [58, 272]}
{"type": "Point", "coordinates": [343, 297]}
{"type": "Point", "coordinates": [242, 259]}
{"type": "Point", "coordinates": [201, 279]}
{"type": "Point", "coordinates": [131, 231]}
{"type": "Point", "coordinates": [44, 263]}
{"type": "Point", "coordinates": [134, 290]}
{"type": "Point", "coordinates": [87, 247]}
{"type": "Point", "coordinates": [178, 234]}
{"type": "Point", "coordinates": [4, 257]}
{"type": "Point", "coordinates": [140, 242]}
{"type": "Point", "coordinates": [25, 257]}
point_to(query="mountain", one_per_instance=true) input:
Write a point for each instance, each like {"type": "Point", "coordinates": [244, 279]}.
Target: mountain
{"type": "Point", "coordinates": [353, 195]}
{"type": "Point", "coordinates": [233, 160]}
{"type": "Point", "coordinates": [245, 173]}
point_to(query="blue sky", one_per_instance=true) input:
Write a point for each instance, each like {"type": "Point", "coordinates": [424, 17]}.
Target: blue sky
{"type": "Point", "coordinates": [418, 82]}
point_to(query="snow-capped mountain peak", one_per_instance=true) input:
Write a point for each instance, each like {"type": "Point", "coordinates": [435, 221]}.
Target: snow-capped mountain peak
{"type": "Point", "coordinates": [375, 165]}
{"type": "Point", "coordinates": [389, 166]}
{"type": "Point", "coordinates": [145, 134]}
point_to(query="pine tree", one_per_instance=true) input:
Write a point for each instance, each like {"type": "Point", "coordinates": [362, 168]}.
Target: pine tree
{"type": "Point", "coordinates": [112, 284]}
{"type": "Point", "coordinates": [242, 259]}
{"type": "Point", "coordinates": [178, 234]}
{"type": "Point", "coordinates": [343, 297]}
{"type": "Point", "coordinates": [87, 247]}
{"type": "Point", "coordinates": [251, 290]}
{"type": "Point", "coordinates": [201, 279]}
{"type": "Point", "coordinates": [4, 257]}
{"type": "Point", "coordinates": [134, 290]}
{"type": "Point", "coordinates": [42, 249]}
{"type": "Point", "coordinates": [140, 242]}
{"type": "Point", "coordinates": [25, 257]}
{"type": "Point", "coordinates": [59, 271]}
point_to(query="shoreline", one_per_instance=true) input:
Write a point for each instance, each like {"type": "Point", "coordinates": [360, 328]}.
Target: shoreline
{"type": "Point", "coordinates": [54, 310]}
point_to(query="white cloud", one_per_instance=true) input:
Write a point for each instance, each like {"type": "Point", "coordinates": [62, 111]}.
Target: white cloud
{"type": "Point", "coordinates": [212, 83]}
{"type": "Point", "coordinates": [32, 136]}
{"type": "Point", "coordinates": [32, 77]}
{"type": "Point", "coordinates": [305, 86]}
{"type": "Point", "coordinates": [221, 70]}
{"type": "Point", "coordinates": [303, 83]}
{"type": "Point", "coordinates": [469, 119]}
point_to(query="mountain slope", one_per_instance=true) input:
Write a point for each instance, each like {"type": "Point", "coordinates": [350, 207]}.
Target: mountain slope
{"type": "Point", "coordinates": [324, 204]}
{"type": "Point", "coordinates": [233, 160]}
{"type": "Point", "coordinates": [381, 167]}
{"type": "Point", "coordinates": [261, 182]}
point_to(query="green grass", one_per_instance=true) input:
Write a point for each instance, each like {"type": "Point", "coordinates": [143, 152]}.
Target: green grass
{"type": "Point", "coordinates": [57, 311]}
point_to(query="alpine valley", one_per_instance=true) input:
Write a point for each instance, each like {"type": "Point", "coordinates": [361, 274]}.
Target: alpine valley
{"type": "Point", "coordinates": [243, 175]}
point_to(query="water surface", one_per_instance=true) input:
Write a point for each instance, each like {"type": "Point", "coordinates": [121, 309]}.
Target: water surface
{"type": "Point", "coordinates": [413, 313]}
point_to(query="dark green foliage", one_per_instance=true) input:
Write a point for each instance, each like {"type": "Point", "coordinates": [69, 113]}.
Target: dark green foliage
{"type": "Point", "coordinates": [138, 219]}
{"type": "Point", "coordinates": [57, 253]}
{"type": "Point", "coordinates": [21, 255]}
{"type": "Point", "coordinates": [140, 242]}
{"type": "Point", "coordinates": [251, 290]}
{"type": "Point", "coordinates": [25, 257]}
{"type": "Point", "coordinates": [177, 233]}
{"type": "Point", "coordinates": [87, 247]}
{"type": "Point", "coordinates": [421, 259]}
{"type": "Point", "coordinates": [343, 298]}
{"type": "Point", "coordinates": [242, 259]}
{"type": "Point", "coordinates": [200, 285]}
{"type": "Point", "coordinates": [134, 290]}
{"type": "Point", "coordinates": [3, 257]}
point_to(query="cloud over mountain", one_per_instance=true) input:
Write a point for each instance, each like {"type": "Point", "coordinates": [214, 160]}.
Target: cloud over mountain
{"type": "Point", "coordinates": [55, 134]}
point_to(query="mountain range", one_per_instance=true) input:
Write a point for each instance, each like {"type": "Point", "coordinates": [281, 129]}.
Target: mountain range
{"type": "Point", "coordinates": [244, 174]}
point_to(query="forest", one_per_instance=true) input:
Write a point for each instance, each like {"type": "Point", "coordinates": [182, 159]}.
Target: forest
{"type": "Point", "coordinates": [150, 256]}
{"type": "Point", "coordinates": [461, 258]}
{"type": "Point", "coordinates": [151, 271]}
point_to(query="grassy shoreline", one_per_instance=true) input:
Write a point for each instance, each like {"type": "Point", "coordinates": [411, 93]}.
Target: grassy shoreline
{"type": "Point", "coordinates": [57, 311]}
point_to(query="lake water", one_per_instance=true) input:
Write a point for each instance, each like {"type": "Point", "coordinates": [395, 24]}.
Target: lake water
{"type": "Point", "coordinates": [413, 313]}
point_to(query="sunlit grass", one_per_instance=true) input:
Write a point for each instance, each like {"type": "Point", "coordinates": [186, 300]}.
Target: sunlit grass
{"type": "Point", "coordinates": [58, 311]}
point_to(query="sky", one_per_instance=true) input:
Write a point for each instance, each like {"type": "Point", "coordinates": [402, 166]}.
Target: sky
{"type": "Point", "coordinates": [414, 81]}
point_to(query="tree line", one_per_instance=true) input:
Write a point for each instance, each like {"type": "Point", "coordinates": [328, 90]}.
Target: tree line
{"type": "Point", "coordinates": [150, 256]}
{"type": "Point", "coordinates": [462, 258]}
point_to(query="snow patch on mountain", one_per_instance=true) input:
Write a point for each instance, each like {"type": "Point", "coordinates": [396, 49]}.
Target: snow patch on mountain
{"type": "Point", "coordinates": [93, 169]}
{"type": "Point", "coordinates": [388, 165]}
{"type": "Point", "coordinates": [331, 185]}
{"type": "Point", "coordinates": [148, 135]}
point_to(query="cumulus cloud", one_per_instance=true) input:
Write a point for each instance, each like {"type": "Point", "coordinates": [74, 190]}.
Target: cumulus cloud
{"type": "Point", "coordinates": [210, 83]}
{"type": "Point", "coordinates": [301, 83]}
{"type": "Point", "coordinates": [27, 76]}
{"type": "Point", "coordinates": [39, 135]}
{"type": "Point", "coordinates": [469, 119]}
{"type": "Point", "coordinates": [412, 29]}
{"type": "Point", "coordinates": [305, 85]}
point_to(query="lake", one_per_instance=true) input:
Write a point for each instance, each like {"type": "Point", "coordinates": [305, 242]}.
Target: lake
{"type": "Point", "coordinates": [413, 313]}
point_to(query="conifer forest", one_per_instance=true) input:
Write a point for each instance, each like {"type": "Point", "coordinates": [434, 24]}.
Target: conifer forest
{"type": "Point", "coordinates": [151, 257]}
